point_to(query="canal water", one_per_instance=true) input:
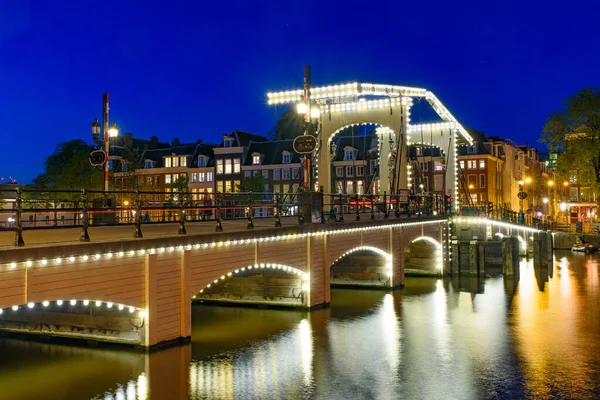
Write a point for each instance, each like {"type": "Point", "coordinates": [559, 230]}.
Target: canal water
{"type": "Point", "coordinates": [490, 338]}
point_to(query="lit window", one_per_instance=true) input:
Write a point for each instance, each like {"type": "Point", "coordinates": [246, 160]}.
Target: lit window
{"type": "Point", "coordinates": [481, 164]}
{"type": "Point", "coordinates": [168, 178]}
{"type": "Point", "coordinates": [228, 166]}
{"type": "Point", "coordinates": [168, 162]}
{"type": "Point", "coordinates": [236, 186]}
{"type": "Point", "coordinates": [349, 172]}
{"type": "Point", "coordinates": [236, 165]}
{"type": "Point", "coordinates": [193, 177]}
{"type": "Point", "coordinates": [256, 160]}
{"type": "Point", "coordinates": [219, 167]}
{"type": "Point", "coordinates": [209, 177]}
{"type": "Point", "coordinates": [227, 186]}
{"type": "Point", "coordinates": [472, 164]}
{"type": "Point", "coordinates": [437, 166]}
{"type": "Point", "coordinates": [359, 187]}
{"type": "Point", "coordinates": [349, 187]}
{"type": "Point", "coordinates": [201, 177]}
{"type": "Point", "coordinates": [176, 161]}
{"type": "Point", "coordinates": [462, 164]}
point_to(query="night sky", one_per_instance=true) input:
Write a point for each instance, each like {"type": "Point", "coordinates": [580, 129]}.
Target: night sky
{"type": "Point", "coordinates": [198, 69]}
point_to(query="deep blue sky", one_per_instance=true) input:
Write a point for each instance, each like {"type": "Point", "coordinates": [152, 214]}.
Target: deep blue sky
{"type": "Point", "coordinates": [197, 69]}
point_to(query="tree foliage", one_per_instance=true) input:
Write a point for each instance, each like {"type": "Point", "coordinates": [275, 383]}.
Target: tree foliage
{"type": "Point", "coordinates": [574, 133]}
{"type": "Point", "coordinates": [255, 183]}
{"type": "Point", "coordinates": [68, 167]}
{"type": "Point", "coordinates": [289, 125]}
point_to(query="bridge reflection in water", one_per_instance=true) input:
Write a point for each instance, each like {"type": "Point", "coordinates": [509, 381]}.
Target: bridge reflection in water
{"type": "Point", "coordinates": [437, 338]}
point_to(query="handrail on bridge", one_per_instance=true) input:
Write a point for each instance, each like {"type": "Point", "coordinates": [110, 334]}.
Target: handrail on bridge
{"type": "Point", "coordinates": [50, 209]}
{"type": "Point", "coordinates": [507, 215]}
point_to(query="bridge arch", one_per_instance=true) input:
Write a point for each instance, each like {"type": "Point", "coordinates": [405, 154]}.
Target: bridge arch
{"type": "Point", "coordinates": [70, 304]}
{"type": "Point", "coordinates": [271, 283]}
{"type": "Point", "coordinates": [78, 319]}
{"type": "Point", "coordinates": [423, 255]}
{"type": "Point", "coordinates": [361, 272]}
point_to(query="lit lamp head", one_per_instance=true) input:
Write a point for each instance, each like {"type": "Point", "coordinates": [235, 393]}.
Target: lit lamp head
{"type": "Point", "coordinates": [333, 147]}
{"type": "Point", "coordinates": [521, 183]}
{"type": "Point", "coordinates": [471, 186]}
{"type": "Point", "coordinates": [95, 127]}
{"type": "Point", "coordinates": [113, 131]}
{"type": "Point", "coordinates": [566, 183]}
{"type": "Point", "coordinates": [550, 183]}
{"type": "Point", "coordinates": [315, 113]}
{"type": "Point", "coordinates": [302, 108]}
{"type": "Point", "coordinates": [527, 180]}
{"type": "Point", "coordinates": [545, 200]}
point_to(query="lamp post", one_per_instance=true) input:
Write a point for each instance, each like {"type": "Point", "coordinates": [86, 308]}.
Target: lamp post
{"type": "Point", "coordinates": [310, 114]}
{"type": "Point", "coordinates": [521, 184]}
{"type": "Point", "coordinates": [552, 208]}
{"type": "Point", "coordinates": [108, 133]}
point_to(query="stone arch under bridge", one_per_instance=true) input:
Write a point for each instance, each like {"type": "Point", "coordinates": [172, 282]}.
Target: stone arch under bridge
{"type": "Point", "coordinates": [384, 105]}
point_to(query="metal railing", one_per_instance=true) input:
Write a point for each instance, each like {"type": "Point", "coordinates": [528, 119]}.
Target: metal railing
{"type": "Point", "coordinates": [507, 215]}
{"type": "Point", "coordinates": [30, 209]}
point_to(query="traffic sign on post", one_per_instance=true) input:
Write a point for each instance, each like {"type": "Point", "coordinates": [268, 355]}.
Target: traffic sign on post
{"type": "Point", "coordinates": [97, 157]}
{"type": "Point", "coordinates": [305, 144]}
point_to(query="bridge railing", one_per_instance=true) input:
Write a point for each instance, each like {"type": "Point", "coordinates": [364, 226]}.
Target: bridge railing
{"type": "Point", "coordinates": [507, 215]}
{"type": "Point", "coordinates": [32, 209]}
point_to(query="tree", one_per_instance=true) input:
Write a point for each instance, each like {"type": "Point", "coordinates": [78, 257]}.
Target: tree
{"type": "Point", "coordinates": [289, 125]}
{"type": "Point", "coordinates": [175, 142]}
{"type": "Point", "coordinates": [574, 133]}
{"type": "Point", "coordinates": [255, 183]}
{"type": "Point", "coordinates": [68, 167]}
{"type": "Point", "coordinates": [181, 187]}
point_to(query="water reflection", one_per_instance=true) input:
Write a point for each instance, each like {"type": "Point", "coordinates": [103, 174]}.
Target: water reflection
{"type": "Point", "coordinates": [468, 338]}
{"type": "Point", "coordinates": [272, 368]}
{"type": "Point", "coordinates": [556, 329]}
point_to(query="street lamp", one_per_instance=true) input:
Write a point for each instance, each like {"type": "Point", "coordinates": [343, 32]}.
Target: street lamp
{"type": "Point", "coordinates": [108, 133]}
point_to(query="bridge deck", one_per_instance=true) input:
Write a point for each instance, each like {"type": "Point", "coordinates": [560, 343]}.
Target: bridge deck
{"type": "Point", "coordinates": [66, 240]}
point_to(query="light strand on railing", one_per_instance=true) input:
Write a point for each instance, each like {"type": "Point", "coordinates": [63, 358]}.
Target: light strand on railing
{"type": "Point", "coordinates": [86, 257]}
{"type": "Point", "coordinates": [73, 303]}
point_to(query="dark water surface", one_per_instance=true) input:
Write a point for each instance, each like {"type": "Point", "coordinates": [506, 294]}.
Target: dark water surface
{"type": "Point", "coordinates": [436, 339]}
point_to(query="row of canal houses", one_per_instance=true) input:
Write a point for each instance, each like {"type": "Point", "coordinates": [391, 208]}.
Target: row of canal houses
{"type": "Point", "coordinates": [489, 171]}
{"type": "Point", "coordinates": [224, 167]}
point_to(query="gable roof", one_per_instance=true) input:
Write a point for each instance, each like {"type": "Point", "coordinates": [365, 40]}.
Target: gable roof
{"type": "Point", "coordinates": [243, 139]}
{"type": "Point", "coordinates": [191, 150]}
{"type": "Point", "coordinates": [362, 143]}
{"type": "Point", "coordinates": [272, 152]}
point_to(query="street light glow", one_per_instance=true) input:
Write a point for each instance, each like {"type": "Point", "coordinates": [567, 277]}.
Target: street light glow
{"type": "Point", "coordinates": [550, 183]}
{"type": "Point", "coordinates": [528, 180]}
{"type": "Point", "coordinates": [302, 108]}
{"type": "Point", "coordinates": [545, 200]}
{"type": "Point", "coordinates": [113, 131]}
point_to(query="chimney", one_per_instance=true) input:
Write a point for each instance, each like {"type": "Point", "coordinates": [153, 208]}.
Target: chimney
{"type": "Point", "coordinates": [154, 142]}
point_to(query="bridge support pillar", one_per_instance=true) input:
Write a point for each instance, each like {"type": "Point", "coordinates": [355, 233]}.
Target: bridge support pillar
{"type": "Point", "coordinates": [168, 301]}
{"type": "Point", "coordinates": [317, 265]}
{"type": "Point", "coordinates": [397, 250]}
{"type": "Point", "coordinates": [150, 286]}
{"type": "Point", "coordinates": [510, 259]}
{"type": "Point", "coordinates": [473, 258]}
{"type": "Point", "coordinates": [455, 257]}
